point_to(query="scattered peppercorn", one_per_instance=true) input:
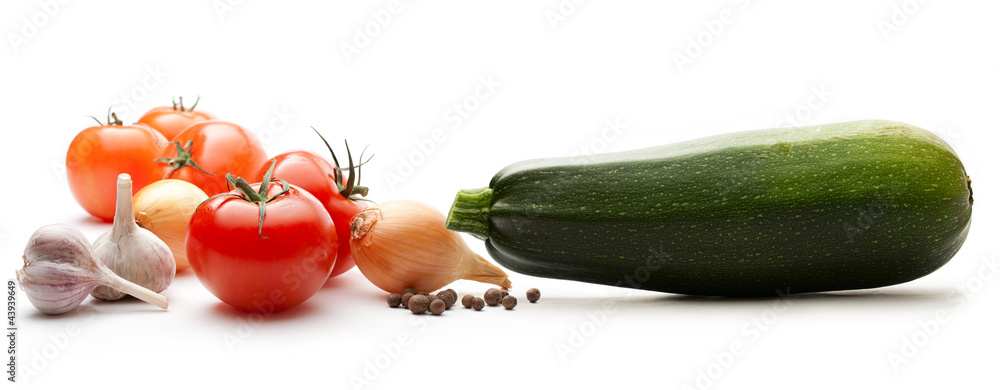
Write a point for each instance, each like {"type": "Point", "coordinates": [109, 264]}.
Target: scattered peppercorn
{"type": "Point", "coordinates": [410, 290]}
{"type": "Point", "coordinates": [478, 303]}
{"type": "Point", "coordinates": [424, 293]}
{"type": "Point", "coordinates": [452, 298]}
{"type": "Point", "coordinates": [503, 293]}
{"type": "Point", "coordinates": [492, 297]}
{"type": "Point", "coordinates": [509, 302]}
{"type": "Point", "coordinates": [533, 295]}
{"type": "Point", "coordinates": [467, 300]}
{"type": "Point", "coordinates": [394, 300]}
{"type": "Point", "coordinates": [447, 298]}
{"type": "Point", "coordinates": [405, 300]}
{"type": "Point", "coordinates": [418, 304]}
{"type": "Point", "coordinates": [437, 307]}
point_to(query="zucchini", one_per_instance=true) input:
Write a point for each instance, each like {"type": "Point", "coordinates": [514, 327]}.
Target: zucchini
{"type": "Point", "coordinates": [841, 206]}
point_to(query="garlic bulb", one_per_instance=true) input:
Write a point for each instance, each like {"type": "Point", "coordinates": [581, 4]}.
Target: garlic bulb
{"type": "Point", "coordinates": [165, 208]}
{"type": "Point", "coordinates": [60, 270]}
{"type": "Point", "coordinates": [133, 253]}
{"type": "Point", "coordinates": [400, 243]}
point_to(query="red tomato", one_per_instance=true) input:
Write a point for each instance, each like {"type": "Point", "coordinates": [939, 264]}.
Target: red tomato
{"type": "Point", "coordinates": [99, 154]}
{"type": "Point", "coordinates": [211, 150]}
{"type": "Point", "coordinates": [284, 268]}
{"type": "Point", "coordinates": [172, 120]}
{"type": "Point", "coordinates": [316, 175]}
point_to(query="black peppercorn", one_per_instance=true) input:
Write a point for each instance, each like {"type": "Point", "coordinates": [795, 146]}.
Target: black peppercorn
{"type": "Point", "coordinates": [437, 307]}
{"type": "Point", "coordinates": [394, 300]}
{"type": "Point", "coordinates": [533, 295]}
{"type": "Point", "coordinates": [492, 297]}
{"type": "Point", "coordinates": [447, 297]}
{"type": "Point", "coordinates": [418, 304]}
{"type": "Point", "coordinates": [509, 302]}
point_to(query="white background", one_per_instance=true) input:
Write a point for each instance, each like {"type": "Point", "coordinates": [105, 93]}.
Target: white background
{"type": "Point", "coordinates": [563, 72]}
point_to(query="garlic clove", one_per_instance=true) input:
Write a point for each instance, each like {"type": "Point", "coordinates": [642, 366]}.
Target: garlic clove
{"type": "Point", "coordinates": [135, 254]}
{"type": "Point", "coordinates": [165, 208]}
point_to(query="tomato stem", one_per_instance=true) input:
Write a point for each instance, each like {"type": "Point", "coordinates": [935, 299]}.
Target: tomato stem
{"type": "Point", "coordinates": [178, 104]}
{"type": "Point", "coordinates": [245, 192]}
{"type": "Point", "coordinates": [352, 189]}
{"type": "Point", "coordinates": [110, 116]}
{"type": "Point", "coordinates": [196, 100]}
{"type": "Point", "coordinates": [182, 160]}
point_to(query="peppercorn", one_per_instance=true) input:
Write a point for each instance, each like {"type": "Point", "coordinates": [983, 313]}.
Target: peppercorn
{"type": "Point", "coordinates": [533, 295]}
{"type": "Point", "coordinates": [437, 307]}
{"type": "Point", "coordinates": [445, 297]}
{"type": "Point", "coordinates": [418, 304]}
{"type": "Point", "coordinates": [509, 302]}
{"type": "Point", "coordinates": [503, 293]}
{"type": "Point", "coordinates": [478, 303]}
{"type": "Point", "coordinates": [467, 300]}
{"type": "Point", "coordinates": [410, 290]}
{"type": "Point", "coordinates": [394, 300]}
{"type": "Point", "coordinates": [492, 297]}
{"type": "Point", "coordinates": [405, 300]}
{"type": "Point", "coordinates": [424, 293]}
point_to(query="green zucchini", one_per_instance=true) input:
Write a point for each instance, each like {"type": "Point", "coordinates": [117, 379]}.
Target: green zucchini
{"type": "Point", "coordinates": [835, 207]}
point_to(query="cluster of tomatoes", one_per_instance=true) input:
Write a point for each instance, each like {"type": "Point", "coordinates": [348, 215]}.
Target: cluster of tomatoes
{"type": "Point", "coordinates": [260, 247]}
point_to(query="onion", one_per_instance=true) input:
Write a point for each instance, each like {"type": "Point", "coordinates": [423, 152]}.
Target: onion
{"type": "Point", "coordinates": [400, 243]}
{"type": "Point", "coordinates": [165, 208]}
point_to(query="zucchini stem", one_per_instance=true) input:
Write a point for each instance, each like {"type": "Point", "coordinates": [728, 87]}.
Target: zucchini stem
{"type": "Point", "coordinates": [471, 212]}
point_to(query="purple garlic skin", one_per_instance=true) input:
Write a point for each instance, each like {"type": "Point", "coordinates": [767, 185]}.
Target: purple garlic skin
{"type": "Point", "coordinates": [59, 270]}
